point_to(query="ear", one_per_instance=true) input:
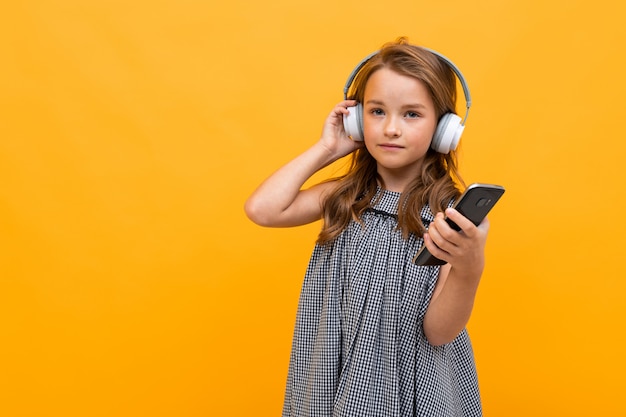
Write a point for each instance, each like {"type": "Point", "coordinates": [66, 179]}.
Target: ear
{"type": "Point", "coordinates": [447, 133]}
{"type": "Point", "coordinates": [353, 122]}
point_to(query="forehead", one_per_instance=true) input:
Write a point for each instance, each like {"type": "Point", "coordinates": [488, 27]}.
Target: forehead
{"type": "Point", "coordinates": [386, 84]}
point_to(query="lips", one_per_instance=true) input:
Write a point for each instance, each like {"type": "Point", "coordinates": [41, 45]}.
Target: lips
{"type": "Point", "coordinates": [390, 146]}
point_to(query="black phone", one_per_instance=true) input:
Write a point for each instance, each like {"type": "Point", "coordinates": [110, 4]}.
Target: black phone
{"type": "Point", "coordinates": [474, 203]}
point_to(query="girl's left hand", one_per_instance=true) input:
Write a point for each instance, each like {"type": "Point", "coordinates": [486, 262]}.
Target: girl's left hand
{"type": "Point", "coordinates": [464, 249]}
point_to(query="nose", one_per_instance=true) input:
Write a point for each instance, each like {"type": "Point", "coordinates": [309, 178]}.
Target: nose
{"type": "Point", "coordinates": [392, 128]}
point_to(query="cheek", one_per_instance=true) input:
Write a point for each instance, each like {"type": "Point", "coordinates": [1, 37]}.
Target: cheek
{"type": "Point", "coordinates": [428, 131]}
{"type": "Point", "coordinates": [367, 131]}
{"type": "Point", "coordinates": [371, 127]}
{"type": "Point", "coordinates": [368, 143]}
{"type": "Point", "coordinates": [370, 133]}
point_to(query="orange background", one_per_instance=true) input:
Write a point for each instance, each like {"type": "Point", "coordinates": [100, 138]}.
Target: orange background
{"type": "Point", "coordinates": [131, 132]}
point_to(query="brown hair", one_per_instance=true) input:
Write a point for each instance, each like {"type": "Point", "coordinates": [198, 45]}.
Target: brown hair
{"type": "Point", "coordinates": [434, 185]}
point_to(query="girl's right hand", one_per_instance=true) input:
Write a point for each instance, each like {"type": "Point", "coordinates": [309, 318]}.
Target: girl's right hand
{"type": "Point", "coordinates": [280, 201]}
{"type": "Point", "coordinates": [334, 137]}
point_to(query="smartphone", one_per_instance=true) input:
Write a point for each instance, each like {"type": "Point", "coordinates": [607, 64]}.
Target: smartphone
{"type": "Point", "coordinates": [474, 203]}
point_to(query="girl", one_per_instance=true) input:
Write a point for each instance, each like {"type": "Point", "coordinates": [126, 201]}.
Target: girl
{"type": "Point", "coordinates": [375, 334]}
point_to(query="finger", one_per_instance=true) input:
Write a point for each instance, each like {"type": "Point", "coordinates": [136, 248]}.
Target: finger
{"type": "Point", "coordinates": [338, 114]}
{"type": "Point", "coordinates": [434, 249]}
{"type": "Point", "coordinates": [342, 107]}
{"type": "Point", "coordinates": [440, 232]}
{"type": "Point", "coordinates": [446, 230]}
{"type": "Point", "coordinates": [463, 222]}
{"type": "Point", "coordinates": [484, 225]}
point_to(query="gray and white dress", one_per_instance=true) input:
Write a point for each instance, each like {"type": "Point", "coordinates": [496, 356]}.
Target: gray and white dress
{"type": "Point", "coordinates": [359, 348]}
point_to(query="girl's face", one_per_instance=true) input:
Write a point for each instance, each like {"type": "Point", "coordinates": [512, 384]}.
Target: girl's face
{"type": "Point", "coordinates": [399, 121]}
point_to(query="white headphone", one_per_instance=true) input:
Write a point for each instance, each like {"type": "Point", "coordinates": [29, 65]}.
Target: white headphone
{"type": "Point", "coordinates": [449, 128]}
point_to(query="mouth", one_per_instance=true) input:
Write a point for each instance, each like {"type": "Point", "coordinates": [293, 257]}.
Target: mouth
{"type": "Point", "coordinates": [390, 146]}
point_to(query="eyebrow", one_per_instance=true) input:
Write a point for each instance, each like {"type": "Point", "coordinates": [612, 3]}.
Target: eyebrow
{"type": "Point", "coordinates": [406, 106]}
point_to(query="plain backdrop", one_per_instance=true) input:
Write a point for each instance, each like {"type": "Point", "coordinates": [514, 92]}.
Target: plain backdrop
{"type": "Point", "coordinates": [131, 133]}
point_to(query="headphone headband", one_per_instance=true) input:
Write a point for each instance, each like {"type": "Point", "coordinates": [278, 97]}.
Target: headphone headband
{"type": "Point", "coordinates": [454, 68]}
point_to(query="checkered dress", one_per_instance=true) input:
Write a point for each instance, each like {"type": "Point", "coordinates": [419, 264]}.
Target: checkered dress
{"type": "Point", "coordinates": [359, 348]}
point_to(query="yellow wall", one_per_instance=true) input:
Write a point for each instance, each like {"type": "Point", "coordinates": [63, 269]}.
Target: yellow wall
{"type": "Point", "coordinates": [131, 132]}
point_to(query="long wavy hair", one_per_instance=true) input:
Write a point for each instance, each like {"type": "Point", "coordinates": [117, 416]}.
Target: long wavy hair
{"type": "Point", "coordinates": [437, 182]}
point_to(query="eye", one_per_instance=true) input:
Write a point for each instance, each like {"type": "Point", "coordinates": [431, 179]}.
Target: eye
{"type": "Point", "coordinates": [412, 115]}
{"type": "Point", "coordinates": [377, 112]}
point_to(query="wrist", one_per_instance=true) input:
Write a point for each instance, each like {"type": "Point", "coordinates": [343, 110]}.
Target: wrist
{"type": "Point", "coordinates": [326, 154]}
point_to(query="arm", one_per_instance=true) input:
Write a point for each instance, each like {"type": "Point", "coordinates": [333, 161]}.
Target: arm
{"type": "Point", "coordinates": [453, 299]}
{"type": "Point", "coordinates": [279, 201]}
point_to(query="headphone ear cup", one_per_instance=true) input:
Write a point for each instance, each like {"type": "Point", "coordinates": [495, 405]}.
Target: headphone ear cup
{"type": "Point", "coordinates": [353, 122]}
{"type": "Point", "coordinates": [447, 134]}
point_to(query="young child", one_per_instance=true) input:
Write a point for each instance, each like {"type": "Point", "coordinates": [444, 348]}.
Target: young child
{"type": "Point", "coordinates": [375, 334]}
